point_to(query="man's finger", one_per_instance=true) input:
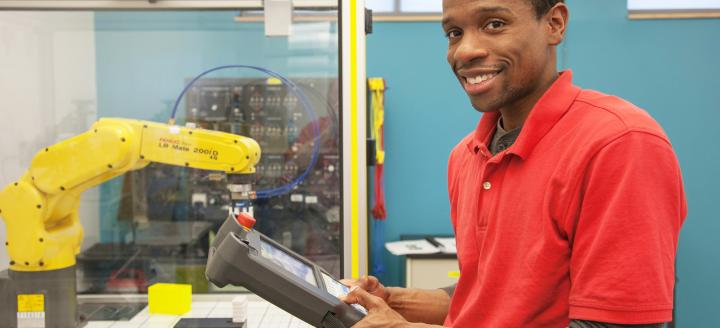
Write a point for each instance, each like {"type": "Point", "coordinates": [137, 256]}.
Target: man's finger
{"type": "Point", "coordinates": [364, 282]}
{"type": "Point", "coordinates": [362, 297]}
{"type": "Point", "coordinates": [368, 283]}
{"type": "Point", "coordinates": [346, 298]}
{"type": "Point", "coordinates": [349, 282]}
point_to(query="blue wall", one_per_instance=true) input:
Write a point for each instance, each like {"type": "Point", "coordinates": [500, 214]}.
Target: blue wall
{"type": "Point", "coordinates": [669, 67]}
{"type": "Point", "coordinates": [426, 114]}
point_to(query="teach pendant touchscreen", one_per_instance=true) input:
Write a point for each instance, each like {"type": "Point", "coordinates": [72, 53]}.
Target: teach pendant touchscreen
{"type": "Point", "coordinates": [288, 262]}
{"type": "Point", "coordinates": [304, 271]}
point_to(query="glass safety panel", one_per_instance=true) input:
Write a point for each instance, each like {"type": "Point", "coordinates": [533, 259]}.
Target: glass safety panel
{"type": "Point", "coordinates": [64, 70]}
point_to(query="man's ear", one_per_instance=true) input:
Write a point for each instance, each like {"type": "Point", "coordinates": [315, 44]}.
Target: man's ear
{"type": "Point", "coordinates": [556, 20]}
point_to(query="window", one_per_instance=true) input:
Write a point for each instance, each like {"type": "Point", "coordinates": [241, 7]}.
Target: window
{"type": "Point", "coordinates": [405, 10]}
{"type": "Point", "coordinates": [650, 9]}
{"type": "Point", "coordinates": [381, 6]}
{"type": "Point", "coordinates": [421, 6]}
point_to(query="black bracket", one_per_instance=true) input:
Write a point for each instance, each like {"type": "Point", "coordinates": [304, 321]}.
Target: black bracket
{"type": "Point", "coordinates": [330, 321]}
{"type": "Point", "coordinates": [371, 152]}
{"type": "Point", "coordinates": [368, 21]}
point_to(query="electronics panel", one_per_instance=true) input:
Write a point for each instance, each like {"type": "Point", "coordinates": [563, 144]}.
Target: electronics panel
{"type": "Point", "coordinates": [306, 217]}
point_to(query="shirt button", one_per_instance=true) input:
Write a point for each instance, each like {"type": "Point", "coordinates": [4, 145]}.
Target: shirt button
{"type": "Point", "coordinates": [486, 185]}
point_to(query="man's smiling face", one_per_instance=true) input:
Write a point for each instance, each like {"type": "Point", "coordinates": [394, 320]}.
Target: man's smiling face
{"type": "Point", "coordinates": [500, 50]}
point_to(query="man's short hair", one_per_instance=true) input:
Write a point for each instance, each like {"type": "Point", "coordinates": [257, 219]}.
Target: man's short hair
{"type": "Point", "coordinates": [542, 6]}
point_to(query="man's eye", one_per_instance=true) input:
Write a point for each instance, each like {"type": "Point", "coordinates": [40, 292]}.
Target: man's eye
{"type": "Point", "coordinates": [495, 25]}
{"type": "Point", "coordinates": [452, 34]}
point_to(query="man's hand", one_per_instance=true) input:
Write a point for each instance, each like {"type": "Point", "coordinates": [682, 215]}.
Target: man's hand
{"type": "Point", "coordinates": [379, 313]}
{"type": "Point", "coordinates": [371, 284]}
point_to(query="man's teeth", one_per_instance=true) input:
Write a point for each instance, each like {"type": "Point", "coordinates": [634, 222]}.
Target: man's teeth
{"type": "Point", "coordinates": [481, 78]}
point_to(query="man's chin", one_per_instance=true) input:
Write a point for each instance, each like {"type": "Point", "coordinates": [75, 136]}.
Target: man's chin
{"type": "Point", "coordinates": [484, 106]}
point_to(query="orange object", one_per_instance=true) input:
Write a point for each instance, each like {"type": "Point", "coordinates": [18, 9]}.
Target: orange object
{"type": "Point", "coordinates": [245, 220]}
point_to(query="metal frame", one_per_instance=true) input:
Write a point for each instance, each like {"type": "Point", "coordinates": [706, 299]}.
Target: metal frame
{"type": "Point", "coordinates": [398, 11]}
{"type": "Point", "coordinates": [672, 10]}
{"type": "Point", "coordinates": [153, 4]}
{"type": "Point", "coordinates": [672, 14]}
{"type": "Point", "coordinates": [406, 18]}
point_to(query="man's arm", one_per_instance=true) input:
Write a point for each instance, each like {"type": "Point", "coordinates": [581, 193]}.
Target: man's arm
{"type": "Point", "coordinates": [419, 305]}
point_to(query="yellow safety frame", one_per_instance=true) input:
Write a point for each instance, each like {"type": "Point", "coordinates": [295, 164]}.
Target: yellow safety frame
{"type": "Point", "coordinates": [354, 136]}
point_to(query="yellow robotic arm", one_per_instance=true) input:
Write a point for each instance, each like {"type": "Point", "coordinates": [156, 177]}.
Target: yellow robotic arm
{"type": "Point", "coordinates": [40, 210]}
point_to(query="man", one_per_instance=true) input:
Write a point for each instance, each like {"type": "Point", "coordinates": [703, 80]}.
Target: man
{"type": "Point", "coordinates": [566, 203]}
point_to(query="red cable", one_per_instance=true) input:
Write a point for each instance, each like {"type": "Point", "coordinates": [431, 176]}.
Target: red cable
{"type": "Point", "coordinates": [379, 212]}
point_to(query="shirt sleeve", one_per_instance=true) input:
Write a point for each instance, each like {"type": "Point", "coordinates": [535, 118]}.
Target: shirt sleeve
{"type": "Point", "coordinates": [623, 230]}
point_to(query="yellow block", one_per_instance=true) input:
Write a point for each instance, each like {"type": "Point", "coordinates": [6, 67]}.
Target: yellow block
{"type": "Point", "coordinates": [31, 303]}
{"type": "Point", "coordinates": [453, 274]}
{"type": "Point", "coordinates": [169, 298]}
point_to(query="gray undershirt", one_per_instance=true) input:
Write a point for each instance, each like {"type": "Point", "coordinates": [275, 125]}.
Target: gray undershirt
{"type": "Point", "coordinates": [503, 139]}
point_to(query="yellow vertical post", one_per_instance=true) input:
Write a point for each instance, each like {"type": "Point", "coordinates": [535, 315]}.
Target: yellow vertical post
{"type": "Point", "coordinates": [354, 184]}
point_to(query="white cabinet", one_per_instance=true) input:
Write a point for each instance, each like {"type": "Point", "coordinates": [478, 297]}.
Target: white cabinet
{"type": "Point", "coordinates": [431, 271]}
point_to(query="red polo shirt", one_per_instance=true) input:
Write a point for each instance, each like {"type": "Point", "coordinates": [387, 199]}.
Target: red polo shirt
{"type": "Point", "coordinates": [579, 219]}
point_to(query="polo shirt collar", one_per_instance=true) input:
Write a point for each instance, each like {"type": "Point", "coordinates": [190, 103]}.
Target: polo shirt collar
{"type": "Point", "coordinates": [549, 109]}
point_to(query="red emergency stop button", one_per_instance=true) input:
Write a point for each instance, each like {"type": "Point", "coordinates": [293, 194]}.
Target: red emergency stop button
{"type": "Point", "coordinates": [245, 220]}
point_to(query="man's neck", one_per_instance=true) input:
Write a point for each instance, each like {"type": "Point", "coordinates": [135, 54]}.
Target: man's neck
{"type": "Point", "coordinates": [514, 116]}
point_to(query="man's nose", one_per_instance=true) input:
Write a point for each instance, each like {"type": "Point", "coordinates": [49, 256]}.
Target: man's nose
{"type": "Point", "coordinates": [469, 49]}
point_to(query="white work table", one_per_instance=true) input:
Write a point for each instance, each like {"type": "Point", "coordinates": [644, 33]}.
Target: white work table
{"type": "Point", "coordinates": [260, 313]}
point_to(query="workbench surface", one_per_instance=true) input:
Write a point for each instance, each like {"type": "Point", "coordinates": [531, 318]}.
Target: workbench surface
{"type": "Point", "coordinates": [260, 313]}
